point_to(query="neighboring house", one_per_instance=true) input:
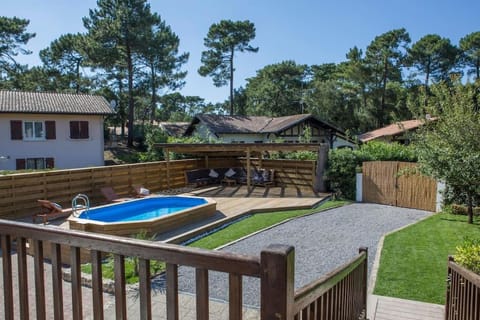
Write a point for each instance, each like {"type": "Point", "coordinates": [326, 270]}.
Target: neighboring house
{"type": "Point", "coordinates": [260, 129]}
{"type": "Point", "coordinates": [46, 130]}
{"type": "Point", "coordinates": [398, 132]}
{"type": "Point", "coordinates": [174, 129]}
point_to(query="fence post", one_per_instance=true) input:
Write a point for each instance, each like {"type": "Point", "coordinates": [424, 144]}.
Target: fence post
{"type": "Point", "coordinates": [365, 280]}
{"type": "Point", "coordinates": [447, 295]}
{"type": "Point", "coordinates": [277, 282]}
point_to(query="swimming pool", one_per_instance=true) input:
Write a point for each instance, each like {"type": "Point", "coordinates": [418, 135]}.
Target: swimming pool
{"type": "Point", "coordinates": [150, 214]}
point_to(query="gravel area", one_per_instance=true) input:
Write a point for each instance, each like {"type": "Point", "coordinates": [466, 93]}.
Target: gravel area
{"type": "Point", "coordinates": [322, 241]}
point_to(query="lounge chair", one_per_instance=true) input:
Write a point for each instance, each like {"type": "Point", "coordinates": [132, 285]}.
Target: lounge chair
{"type": "Point", "coordinates": [50, 211]}
{"type": "Point", "coordinates": [111, 196]}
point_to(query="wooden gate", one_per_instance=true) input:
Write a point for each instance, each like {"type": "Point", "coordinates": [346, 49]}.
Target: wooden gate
{"type": "Point", "coordinates": [397, 184]}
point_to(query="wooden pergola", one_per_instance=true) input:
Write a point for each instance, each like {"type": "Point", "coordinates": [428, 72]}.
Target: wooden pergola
{"type": "Point", "coordinates": [246, 150]}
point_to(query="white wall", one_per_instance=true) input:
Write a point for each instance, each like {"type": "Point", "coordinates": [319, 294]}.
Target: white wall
{"type": "Point", "coordinates": [68, 153]}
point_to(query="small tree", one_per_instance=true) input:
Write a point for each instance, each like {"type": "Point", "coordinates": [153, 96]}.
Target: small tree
{"type": "Point", "coordinates": [449, 149]}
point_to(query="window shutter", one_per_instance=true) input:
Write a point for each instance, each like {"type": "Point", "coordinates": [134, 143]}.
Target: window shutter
{"type": "Point", "coordinates": [49, 163]}
{"type": "Point", "coordinates": [50, 130]}
{"type": "Point", "coordinates": [84, 130]}
{"type": "Point", "coordinates": [20, 164]}
{"type": "Point", "coordinates": [16, 130]}
{"type": "Point", "coordinates": [74, 130]}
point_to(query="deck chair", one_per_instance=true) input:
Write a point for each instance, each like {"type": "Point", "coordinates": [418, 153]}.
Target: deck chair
{"type": "Point", "coordinates": [111, 196]}
{"type": "Point", "coordinates": [50, 211]}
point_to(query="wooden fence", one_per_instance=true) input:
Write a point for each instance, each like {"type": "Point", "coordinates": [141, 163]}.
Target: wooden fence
{"type": "Point", "coordinates": [463, 293]}
{"type": "Point", "coordinates": [397, 184]}
{"type": "Point", "coordinates": [19, 192]}
{"type": "Point", "coordinates": [342, 295]}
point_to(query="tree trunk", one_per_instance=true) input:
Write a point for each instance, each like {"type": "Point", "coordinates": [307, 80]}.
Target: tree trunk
{"type": "Point", "coordinates": [231, 81]}
{"type": "Point", "coordinates": [131, 107]}
{"type": "Point", "coordinates": [470, 208]}
{"type": "Point", "coordinates": [153, 101]}
{"type": "Point", "coordinates": [384, 91]}
{"type": "Point", "coordinates": [77, 89]}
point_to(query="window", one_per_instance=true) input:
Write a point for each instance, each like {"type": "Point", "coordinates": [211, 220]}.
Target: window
{"type": "Point", "coordinates": [79, 130]}
{"type": "Point", "coordinates": [33, 130]}
{"type": "Point", "coordinates": [35, 163]}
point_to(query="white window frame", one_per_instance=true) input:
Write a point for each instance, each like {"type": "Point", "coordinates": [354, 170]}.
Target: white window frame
{"type": "Point", "coordinates": [36, 160]}
{"type": "Point", "coordinates": [33, 138]}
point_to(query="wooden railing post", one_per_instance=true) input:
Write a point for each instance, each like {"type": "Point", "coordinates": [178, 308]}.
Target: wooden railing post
{"type": "Point", "coordinates": [277, 263]}
{"type": "Point", "coordinates": [365, 279]}
{"type": "Point", "coordinates": [447, 295]}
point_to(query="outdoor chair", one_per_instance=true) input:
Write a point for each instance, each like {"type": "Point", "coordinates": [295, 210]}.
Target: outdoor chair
{"type": "Point", "coordinates": [50, 211]}
{"type": "Point", "coordinates": [111, 196]}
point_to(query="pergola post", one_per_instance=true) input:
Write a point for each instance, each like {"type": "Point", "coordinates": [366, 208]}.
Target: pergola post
{"type": "Point", "coordinates": [167, 156]}
{"type": "Point", "coordinates": [322, 158]}
{"type": "Point", "coordinates": [248, 169]}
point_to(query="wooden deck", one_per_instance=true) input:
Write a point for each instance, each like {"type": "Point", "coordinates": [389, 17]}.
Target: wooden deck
{"type": "Point", "coordinates": [236, 201]}
{"type": "Point", "coordinates": [387, 308]}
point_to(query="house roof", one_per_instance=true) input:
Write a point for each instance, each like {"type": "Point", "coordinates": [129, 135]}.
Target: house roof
{"type": "Point", "coordinates": [52, 103]}
{"type": "Point", "coordinates": [391, 130]}
{"type": "Point", "coordinates": [174, 129]}
{"type": "Point", "coordinates": [252, 124]}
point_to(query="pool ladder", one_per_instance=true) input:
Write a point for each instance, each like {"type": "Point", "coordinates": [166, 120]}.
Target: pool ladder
{"type": "Point", "coordinates": [83, 205]}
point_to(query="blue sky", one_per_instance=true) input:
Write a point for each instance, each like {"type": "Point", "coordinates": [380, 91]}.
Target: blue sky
{"type": "Point", "coordinates": [306, 31]}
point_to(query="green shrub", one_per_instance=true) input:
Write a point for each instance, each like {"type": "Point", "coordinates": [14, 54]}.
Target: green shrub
{"type": "Point", "coordinates": [340, 174]}
{"type": "Point", "coordinates": [468, 254]}
{"type": "Point", "coordinates": [462, 209]}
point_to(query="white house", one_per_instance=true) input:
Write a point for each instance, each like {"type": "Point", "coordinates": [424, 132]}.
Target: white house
{"type": "Point", "coordinates": [51, 130]}
{"type": "Point", "coordinates": [261, 129]}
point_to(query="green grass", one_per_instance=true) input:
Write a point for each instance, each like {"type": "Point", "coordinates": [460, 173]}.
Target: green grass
{"type": "Point", "coordinates": [255, 223]}
{"type": "Point", "coordinates": [413, 264]}
{"type": "Point", "coordinates": [130, 276]}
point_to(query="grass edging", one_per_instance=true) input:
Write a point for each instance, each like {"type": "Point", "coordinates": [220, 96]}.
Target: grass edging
{"type": "Point", "coordinates": [249, 234]}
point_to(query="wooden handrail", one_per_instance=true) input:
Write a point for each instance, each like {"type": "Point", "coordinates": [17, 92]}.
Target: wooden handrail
{"type": "Point", "coordinates": [170, 253]}
{"type": "Point", "coordinates": [467, 274]}
{"type": "Point", "coordinates": [310, 292]}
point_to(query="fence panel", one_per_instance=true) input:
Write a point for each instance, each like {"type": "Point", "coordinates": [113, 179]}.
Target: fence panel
{"type": "Point", "coordinates": [379, 182]}
{"type": "Point", "coordinates": [415, 190]}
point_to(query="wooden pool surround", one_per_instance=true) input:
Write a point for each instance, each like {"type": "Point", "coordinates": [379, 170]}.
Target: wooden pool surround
{"type": "Point", "coordinates": [151, 226]}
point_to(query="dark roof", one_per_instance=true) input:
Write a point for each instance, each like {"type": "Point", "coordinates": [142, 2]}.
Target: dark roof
{"type": "Point", "coordinates": [252, 124]}
{"type": "Point", "coordinates": [392, 129]}
{"type": "Point", "coordinates": [61, 103]}
{"type": "Point", "coordinates": [174, 129]}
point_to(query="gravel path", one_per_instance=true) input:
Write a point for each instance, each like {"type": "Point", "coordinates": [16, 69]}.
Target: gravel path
{"type": "Point", "coordinates": [322, 242]}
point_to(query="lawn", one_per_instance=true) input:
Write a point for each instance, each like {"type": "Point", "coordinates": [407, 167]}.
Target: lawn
{"type": "Point", "coordinates": [255, 223]}
{"type": "Point", "coordinates": [413, 264]}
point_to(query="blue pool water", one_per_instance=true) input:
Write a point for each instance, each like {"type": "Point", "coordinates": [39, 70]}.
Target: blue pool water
{"type": "Point", "coordinates": [142, 209]}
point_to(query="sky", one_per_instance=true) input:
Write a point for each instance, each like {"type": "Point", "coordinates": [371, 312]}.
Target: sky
{"type": "Point", "coordinates": [305, 31]}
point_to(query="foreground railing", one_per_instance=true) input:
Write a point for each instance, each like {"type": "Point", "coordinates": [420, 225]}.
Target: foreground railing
{"type": "Point", "coordinates": [341, 294]}
{"type": "Point", "coordinates": [463, 293]}
{"type": "Point", "coordinates": [274, 267]}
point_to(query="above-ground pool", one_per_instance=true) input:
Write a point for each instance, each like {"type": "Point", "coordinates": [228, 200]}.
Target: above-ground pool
{"type": "Point", "coordinates": [150, 214]}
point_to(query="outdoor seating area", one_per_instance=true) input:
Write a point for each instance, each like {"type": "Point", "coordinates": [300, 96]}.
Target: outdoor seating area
{"type": "Point", "coordinates": [229, 176]}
